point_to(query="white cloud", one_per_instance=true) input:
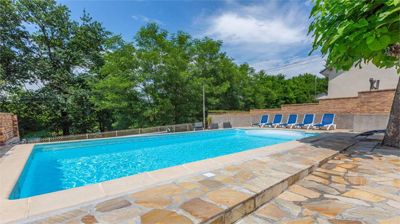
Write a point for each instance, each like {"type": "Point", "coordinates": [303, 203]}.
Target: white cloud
{"type": "Point", "coordinates": [244, 29]}
{"type": "Point", "coordinates": [146, 19]}
{"type": "Point", "coordinates": [269, 35]}
{"type": "Point", "coordinates": [295, 66]}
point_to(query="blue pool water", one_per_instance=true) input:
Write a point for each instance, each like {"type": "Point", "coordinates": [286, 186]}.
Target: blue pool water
{"type": "Point", "coordinates": [54, 167]}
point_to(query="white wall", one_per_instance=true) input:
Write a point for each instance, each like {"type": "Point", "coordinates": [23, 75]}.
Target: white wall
{"type": "Point", "coordinates": [349, 83]}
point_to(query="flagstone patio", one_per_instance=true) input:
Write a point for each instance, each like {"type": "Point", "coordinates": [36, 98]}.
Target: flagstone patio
{"type": "Point", "coordinates": [222, 195]}
{"type": "Point", "coordinates": [359, 186]}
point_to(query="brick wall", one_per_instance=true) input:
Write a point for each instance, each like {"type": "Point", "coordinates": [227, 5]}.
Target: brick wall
{"type": "Point", "coordinates": [369, 110]}
{"type": "Point", "coordinates": [366, 103]}
{"type": "Point", "coordinates": [8, 127]}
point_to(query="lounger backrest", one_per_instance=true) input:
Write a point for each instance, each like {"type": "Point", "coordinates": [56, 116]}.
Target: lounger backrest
{"type": "Point", "coordinates": [292, 119]}
{"type": "Point", "coordinates": [214, 126]}
{"type": "Point", "coordinates": [264, 119]}
{"type": "Point", "coordinates": [277, 118]}
{"type": "Point", "coordinates": [308, 119]}
{"type": "Point", "coordinates": [226, 125]}
{"type": "Point", "coordinates": [328, 119]}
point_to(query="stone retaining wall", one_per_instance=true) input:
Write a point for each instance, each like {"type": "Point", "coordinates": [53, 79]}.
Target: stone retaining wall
{"type": "Point", "coordinates": [8, 128]}
{"type": "Point", "coordinates": [369, 110]}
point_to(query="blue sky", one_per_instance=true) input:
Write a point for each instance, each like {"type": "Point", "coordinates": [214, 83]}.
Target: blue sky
{"type": "Point", "coordinates": [269, 35]}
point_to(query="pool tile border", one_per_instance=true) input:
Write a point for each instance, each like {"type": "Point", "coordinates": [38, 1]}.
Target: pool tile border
{"type": "Point", "coordinates": [12, 166]}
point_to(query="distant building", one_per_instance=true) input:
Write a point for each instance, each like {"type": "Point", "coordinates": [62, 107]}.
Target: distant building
{"type": "Point", "coordinates": [367, 78]}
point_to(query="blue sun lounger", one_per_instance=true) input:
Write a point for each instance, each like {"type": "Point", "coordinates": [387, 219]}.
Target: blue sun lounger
{"type": "Point", "coordinates": [291, 121]}
{"type": "Point", "coordinates": [327, 121]}
{"type": "Point", "coordinates": [308, 121]}
{"type": "Point", "coordinates": [276, 122]}
{"type": "Point", "coordinates": [263, 120]}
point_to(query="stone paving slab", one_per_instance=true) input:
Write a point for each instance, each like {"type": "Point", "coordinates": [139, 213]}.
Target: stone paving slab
{"type": "Point", "coordinates": [359, 186]}
{"type": "Point", "coordinates": [222, 195]}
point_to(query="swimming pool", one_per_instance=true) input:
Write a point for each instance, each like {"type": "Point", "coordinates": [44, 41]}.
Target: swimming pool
{"type": "Point", "coordinates": [59, 166]}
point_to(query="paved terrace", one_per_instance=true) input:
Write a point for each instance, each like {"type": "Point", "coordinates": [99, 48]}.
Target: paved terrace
{"type": "Point", "coordinates": [359, 186]}
{"type": "Point", "coordinates": [222, 195]}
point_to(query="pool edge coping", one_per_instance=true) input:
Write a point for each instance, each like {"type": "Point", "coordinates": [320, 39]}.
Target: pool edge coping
{"type": "Point", "coordinates": [12, 166]}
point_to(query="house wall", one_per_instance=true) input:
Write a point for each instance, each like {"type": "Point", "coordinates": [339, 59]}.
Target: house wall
{"type": "Point", "coordinates": [8, 128]}
{"type": "Point", "coordinates": [368, 110]}
{"type": "Point", "coordinates": [349, 83]}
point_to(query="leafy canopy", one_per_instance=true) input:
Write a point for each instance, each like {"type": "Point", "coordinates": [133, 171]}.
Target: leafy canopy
{"type": "Point", "coordinates": [86, 79]}
{"type": "Point", "coordinates": [158, 80]}
{"type": "Point", "coordinates": [354, 31]}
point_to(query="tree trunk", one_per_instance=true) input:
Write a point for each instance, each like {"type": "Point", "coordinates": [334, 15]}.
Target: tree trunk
{"type": "Point", "coordinates": [65, 129]}
{"type": "Point", "coordinates": [392, 134]}
{"type": "Point", "coordinates": [65, 123]}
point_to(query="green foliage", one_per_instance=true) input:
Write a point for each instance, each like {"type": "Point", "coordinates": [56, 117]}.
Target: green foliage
{"type": "Point", "coordinates": [61, 54]}
{"type": "Point", "coordinates": [351, 32]}
{"type": "Point", "coordinates": [83, 79]}
{"type": "Point", "coordinates": [14, 48]}
{"type": "Point", "coordinates": [158, 80]}
{"type": "Point", "coordinates": [271, 91]}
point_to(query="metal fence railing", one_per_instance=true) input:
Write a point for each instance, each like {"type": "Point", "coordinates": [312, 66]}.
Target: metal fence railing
{"type": "Point", "coordinates": [117, 133]}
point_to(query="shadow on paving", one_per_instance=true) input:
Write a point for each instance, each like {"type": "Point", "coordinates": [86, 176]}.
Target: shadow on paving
{"type": "Point", "coordinates": [4, 149]}
{"type": "Point", "coordinates": [337, 141]}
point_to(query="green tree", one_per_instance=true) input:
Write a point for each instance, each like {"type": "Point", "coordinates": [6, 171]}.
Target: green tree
{"type": "Point", "coordinates": [81, 79]}
{"type": "Point", "coordinates": [158, 79]}
{"type": "Point", "coordinates": [115, 89]}
{"type": "Point", "coordinates": [355, 32]}
{"type": "Point", "coordinates": [64, 51]}
{"type": "Point", "coordinates": [271, 91]}
{"type": "Point", "coordinates": [306, 87]}
{"type": "Point", "coordinates": [14, 49]}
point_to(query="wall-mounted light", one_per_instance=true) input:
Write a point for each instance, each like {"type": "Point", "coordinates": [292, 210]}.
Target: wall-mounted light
{"type": "Point", "coordinates": [373, 84]}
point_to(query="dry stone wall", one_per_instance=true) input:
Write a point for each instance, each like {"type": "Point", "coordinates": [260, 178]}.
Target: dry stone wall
{"type": "Point", "coordinates": [8, 128]}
